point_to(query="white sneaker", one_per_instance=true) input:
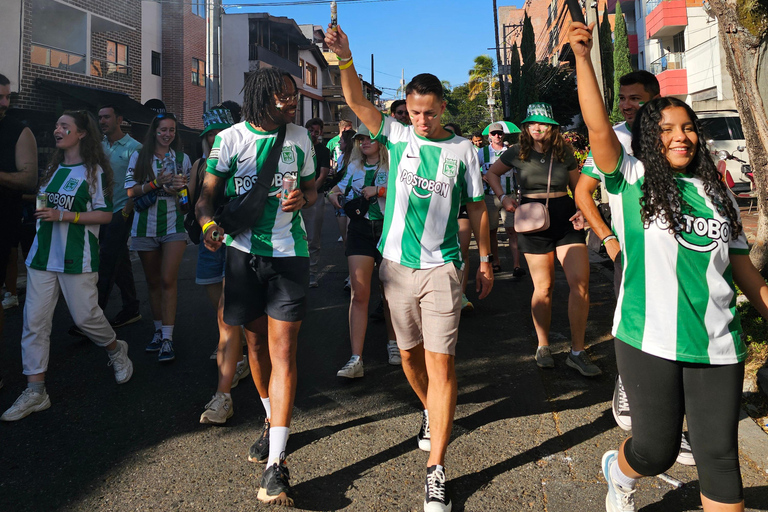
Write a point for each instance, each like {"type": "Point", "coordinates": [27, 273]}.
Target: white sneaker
{"type": "Point", "coordinates": [353, 369]}
{"type": "Point", "coordinates": [243, 369]}
{"type": "Point", "coordinates": [619, 498]}
{"type": "Point", "coordinates": [685, 456]}
{"type": "Point", "coordinates": [10, 301]}
{"type": "Point", "coordinates": [423, 438]}
{"type": "Point", "coordinates": [121, 364]}
{"type": "Point", "coordinates": [218, 410]}
{"type": "Point", "coordinates": [394, 353]}
{"type": "Point", "coordinates": [26, 404]}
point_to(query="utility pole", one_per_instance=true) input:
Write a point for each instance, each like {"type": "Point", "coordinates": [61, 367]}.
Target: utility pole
{"type": "Point", "coordinates": [213, 54]}
{"type": "Point", "coordinates": [491, 99]}
{"type": "Point", "coordinates": [502, 79]}
{"type": "Point", "coordinates": [373, 84]}
{"type": "Point", "coordinates": [596, 53]}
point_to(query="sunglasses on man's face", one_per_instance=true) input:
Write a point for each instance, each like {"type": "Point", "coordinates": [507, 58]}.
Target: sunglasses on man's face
{"type": "Point", "coordinates": [401, 112]}
{"type": "Point", "coordinates": [497, 134]}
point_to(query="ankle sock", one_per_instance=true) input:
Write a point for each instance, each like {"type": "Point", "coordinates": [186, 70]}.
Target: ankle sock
{"type": "Point", "coordinates": [278, 438]}
{"type": "Point", "coordinates": [113, 353]}
{"type": "Point", "coordinates": [355, 357]}
{"type": "Point", "coordinates": [158, 324]}
{"type": "Point", "coordinates": [167, 332]}
{"type": "Point", "coordinates": [576, 352]}
{"type": "Point", "coordinates": [37, 387]}
{"type": "Point", "coordinates": [620, 478]}
{"type": "Point", "coordinates": [267, 407]}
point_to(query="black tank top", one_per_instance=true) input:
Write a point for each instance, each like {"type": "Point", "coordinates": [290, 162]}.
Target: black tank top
{"type": "Point", "coordinates": [10, 131]}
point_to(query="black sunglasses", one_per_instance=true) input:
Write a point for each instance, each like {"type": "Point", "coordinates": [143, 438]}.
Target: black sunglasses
{"type": "Point", "coordinates": [497, 133]}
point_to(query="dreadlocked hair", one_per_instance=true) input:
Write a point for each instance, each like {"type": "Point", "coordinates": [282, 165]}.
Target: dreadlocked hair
{"type": "Point", "coordinates": [260, 88]}
{"type": "Point", "coordinates": [144, 171]}
{"type": "Point", "coordinates": [554, 140]}
{"type": "Point", "coordinates": [662, 198]}
{"type": "Point", "coordinates": [91, 153]}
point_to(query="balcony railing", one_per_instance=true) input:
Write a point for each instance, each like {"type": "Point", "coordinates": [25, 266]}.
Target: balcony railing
{"type": "Point", "coordinates": [58, 58]}
{"type": "Point", "coordinates": [111, 70]}
{"type": "Point", "coordinates": [674, 60]}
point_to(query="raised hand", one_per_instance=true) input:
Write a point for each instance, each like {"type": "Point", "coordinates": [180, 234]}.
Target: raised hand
{"type": "Point", "coordinates": [580, 37]}
{"type": "Point", "coordinates": [338, 42]}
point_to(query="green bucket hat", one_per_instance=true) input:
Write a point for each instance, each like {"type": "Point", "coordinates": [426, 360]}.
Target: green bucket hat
{"type": "Point", "coordinates": [217, 119]}
{"type": "Point", "coordinates": [540, 113]}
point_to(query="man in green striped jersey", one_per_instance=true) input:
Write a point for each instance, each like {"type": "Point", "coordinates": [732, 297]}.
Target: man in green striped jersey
{"type": "Point", "coordinates": [432, 173]}
{"type": "Point", "coordinates": [267, 269]}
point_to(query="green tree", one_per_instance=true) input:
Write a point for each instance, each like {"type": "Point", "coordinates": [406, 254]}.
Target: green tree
{"type": "Point", "coordinates": [483, 72]}
{"type": "Point", "coordinates": [621, 60]}
{"type": "Point", "coordinates": [606, 51]}
{"type": "Point", "coordinates": [470, 115]}
{"type": "Point", "coordinates": [557, 86]}
{"type": "Point", "coordinates": [513, 91]}
{"type": "Point", "coordinates": [528, 91]}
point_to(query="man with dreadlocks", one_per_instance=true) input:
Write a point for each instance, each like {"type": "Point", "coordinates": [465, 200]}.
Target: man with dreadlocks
{"type": "Point", "coordinates": [267, 269]}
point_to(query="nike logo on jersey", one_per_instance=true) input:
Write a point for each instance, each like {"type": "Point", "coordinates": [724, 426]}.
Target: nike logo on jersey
{"type": "Point", "coordinates": [411, 156]}
{"type": "Point", "coordinates": [243, 159]}
{"type": "Point", "coordinates": [712, 229]}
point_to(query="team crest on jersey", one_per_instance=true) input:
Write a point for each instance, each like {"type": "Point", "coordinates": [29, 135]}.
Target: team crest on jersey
{"type": "Point", "coordinates": [71, 184]}
{"type": "Point", "coordinates": [450, 167]}
{"type": "Point", "coordinates": [288, 155]}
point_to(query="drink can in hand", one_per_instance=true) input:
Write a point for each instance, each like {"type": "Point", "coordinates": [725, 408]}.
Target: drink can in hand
{"type": "Point", "coordinates": [289, 185]}
{"type": "Point", "coordinates": [41, 201]}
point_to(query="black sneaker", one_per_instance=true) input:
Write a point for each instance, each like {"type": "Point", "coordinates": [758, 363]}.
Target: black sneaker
{"type": "Point", "coordinates": [274, 486]}
{"type": "Point", "coordinates": [518, 272]}
{"type": "Point", "coordinates": [423, 437]}
{"type": "Point", "coordinates": [620, 406]}
{"type": "Point", "coordinates": [124, 318]}
{"type": "Point", "coordinates": [259, 451]}
{"type": "Point", "coordinates": [435, 496]}
{"type": "Point", "coordinates": [378, 313]}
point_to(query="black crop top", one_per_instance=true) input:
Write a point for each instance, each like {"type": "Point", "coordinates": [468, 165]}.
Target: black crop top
{"type": "Point", "coordinates": [532, 173]}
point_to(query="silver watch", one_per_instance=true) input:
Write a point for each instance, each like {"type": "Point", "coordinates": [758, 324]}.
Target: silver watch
{"type": "Point", "coordinates": [485, 259]}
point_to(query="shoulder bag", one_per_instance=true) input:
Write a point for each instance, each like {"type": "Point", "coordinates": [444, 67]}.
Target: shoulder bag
{"type": "Point", "coordinates": [242, 212]}
{"type": "Point", "coordinates": [534, 217]}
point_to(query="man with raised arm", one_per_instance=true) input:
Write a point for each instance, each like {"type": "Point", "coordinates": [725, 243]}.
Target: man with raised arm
{"type": "Point", "coordinates": [432, 173]}
{"type": "Point", "coordinates": [267, 270]}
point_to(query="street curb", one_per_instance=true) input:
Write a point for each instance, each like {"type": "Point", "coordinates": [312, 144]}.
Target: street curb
{"type": "Point", "coordinates": [752, 441]}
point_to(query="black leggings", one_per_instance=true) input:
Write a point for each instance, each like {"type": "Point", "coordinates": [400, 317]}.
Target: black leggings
{"type": "Point", "coordinates": [660, 393]}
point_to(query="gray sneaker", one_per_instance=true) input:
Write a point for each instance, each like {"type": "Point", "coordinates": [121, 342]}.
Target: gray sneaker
{"type": "Point", "coordinates": [544, 357]}
{"type": "Point", "coordinates": [27, 403]}
{"type": "Point", "coordinates": [121, 364]}
{"type": "Point", "coordinates": [243, 369]}
{"type": "Point", "coordinates": [583, 364]}
{"type": "Point", "coordinates": [218, 410]}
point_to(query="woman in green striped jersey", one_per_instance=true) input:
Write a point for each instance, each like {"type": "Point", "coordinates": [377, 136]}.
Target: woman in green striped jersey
{"type": "Point", "coordinates": [676, 328]}
{"type": "Point", "coordinates": [159, 171]}
{"type": "Point", "coordinates": [65, 256]}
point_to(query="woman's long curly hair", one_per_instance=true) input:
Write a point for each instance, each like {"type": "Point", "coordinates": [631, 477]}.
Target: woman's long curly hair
{"type": "Point", "coordinates": [143, 171]}
{"type": "Point", "coordinates": [554, 140]}
{"type": "Point", "coordinates": [91, 152]}
{"type": "Point", "coordinates": [662, 199]}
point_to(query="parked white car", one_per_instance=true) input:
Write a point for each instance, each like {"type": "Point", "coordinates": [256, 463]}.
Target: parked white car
{"type": "Point", "coordinates": [722, 131]}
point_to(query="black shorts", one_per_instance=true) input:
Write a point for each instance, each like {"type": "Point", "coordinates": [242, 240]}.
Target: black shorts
{"type": "Point", "coordinates": [560, 231]}
{"type": "Point", "coordinates": [362, 238]}
{"type": "Point", "coordinates": [258, 285]}
{"type": "Point", "coordinates": [463, 213]}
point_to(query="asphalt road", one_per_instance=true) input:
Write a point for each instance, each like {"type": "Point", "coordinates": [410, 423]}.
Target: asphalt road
{"type": "Point", "coordinates": [524, 438]}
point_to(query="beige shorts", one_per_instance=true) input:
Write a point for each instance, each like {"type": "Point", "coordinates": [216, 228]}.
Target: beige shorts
{"type": "Point", "coordinates": [425, 305]}
{"type": "Point", "coordinates": [495, 209]}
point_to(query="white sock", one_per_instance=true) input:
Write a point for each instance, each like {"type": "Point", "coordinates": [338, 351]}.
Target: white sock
{"type": "Point", "coordinates": [228, 395]}
{"type": "Point", "coordinates": [278, 438]}
{"type": "Point", "coordinates": [167, 332]}
{"type": "Point", "coordinates": [267, 407]}
{"type": "Point", "coordinates": [355, 357]}
{"type": "Point", "coordinates": [576, 352]}
{"type": "Point", "coordinates": [620, 478]}
{"type": "Point", "coordinates": [158, 324]}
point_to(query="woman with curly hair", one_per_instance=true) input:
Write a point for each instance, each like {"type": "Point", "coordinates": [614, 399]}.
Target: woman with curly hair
{"type": "Point", "coordinates": [676, 328]}
{"type": "Point", "coordinates": [542, 150]}
{"type": "Point", "coordinates": [64, 257]}
{"type": "Point", "coordinates": [366, 180]}
{"type": "Point", "coordinates": [155, 176]}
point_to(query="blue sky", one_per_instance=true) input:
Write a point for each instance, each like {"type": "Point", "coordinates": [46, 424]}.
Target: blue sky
{"type": "Point", "coordinates": [442, 37]}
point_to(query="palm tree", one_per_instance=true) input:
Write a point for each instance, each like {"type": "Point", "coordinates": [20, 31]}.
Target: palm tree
{"type": "Point", "coordinates": [482, 77]}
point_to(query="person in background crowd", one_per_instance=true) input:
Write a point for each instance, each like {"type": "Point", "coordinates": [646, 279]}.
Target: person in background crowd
{"type": "Point", "coordinates": [366, 178]}
{"type": "Point", "coordinates": [432, 172]}
{"type": "Point", "coordinates": [155, 175]}
{"type": "Point", "coordinates": [399, 111]}
{"type": "Point", "coordinates": [333, 144]}
{"type": "Point", "coordinates": [232, 365]}
{"type": "Point", "coordinates": [18, 174]}
{"type": "Point", "coordinates": [453, 128]}
{"type": "Point", "coordinates": [267, 269]}
{"type": "Point", "coordinates": [477, 139]}
{"type": "Point", "coordinates": [542, 148]}
{"type": "Point", "coordinates": [77, 185]}
{"type": "Point", "coordinates": [313, 217]}
{"type": "Point", "coordinates": [678, 349]}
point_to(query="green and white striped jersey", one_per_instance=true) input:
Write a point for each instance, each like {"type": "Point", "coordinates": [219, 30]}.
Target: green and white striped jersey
{"type": "Point", "coordinates": [238, 154]}
{"type": "Point", "coordinates": [487, 156]}
{"type": "Point", "coordinates": [625, 138]}
{"type": "Point", "coordinates": [64, 246]}
{"type": "Point", "coordinates": [161, 218]}
{"type": "Point", "coordinates": [429, 180]}
{"type": "Point", "coordinates": [677, 299]}
{"type": "Point", "coordinates": [356, 179]}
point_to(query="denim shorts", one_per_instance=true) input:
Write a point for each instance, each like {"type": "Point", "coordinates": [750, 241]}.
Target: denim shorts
{"type": "Point", "coordinates": [210, 265]}
{"type": "Point", "coordinates": [152, 243]}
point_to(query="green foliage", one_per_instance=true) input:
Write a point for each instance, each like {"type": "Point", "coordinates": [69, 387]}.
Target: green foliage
{"type": "Point", "coordinates": [753, 15]}
{"type": "Point", "coordinates": [470, 115]}
{"type": "Point", "coordinates": [528, 92]}
{"type": "Point", "coordinates": [483, 71]}
{"type": "Point", "coordinates": [621, 59]}
{"type": "Point", "coordinates": [606, 54]}
{"type": "Point", "coordinates": [513, 96]}
{"type": "Point", "coordinates": [753, 325]}
{"type": "Point", "coordinates": [556, 86]}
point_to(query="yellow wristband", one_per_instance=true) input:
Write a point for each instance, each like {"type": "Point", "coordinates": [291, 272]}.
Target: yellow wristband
{"type": "Point", "coordinates": [346, 64]}
{"type": "Point", "coordinates": [207, 225]}
{"type": "Point", "coordinates": [77, 217]}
